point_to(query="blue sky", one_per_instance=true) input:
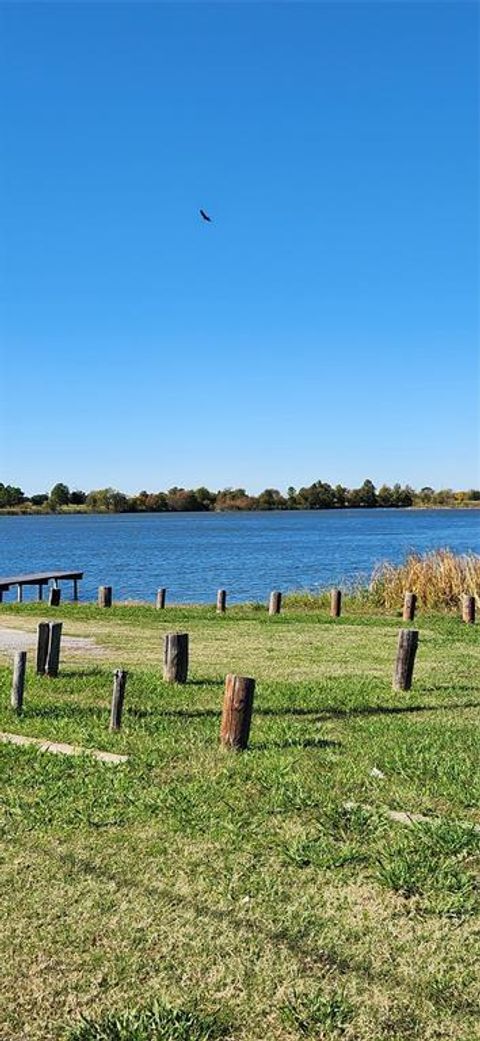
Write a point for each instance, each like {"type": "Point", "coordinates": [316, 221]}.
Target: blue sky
{"type": "Point", "coordinates": [323, 326]}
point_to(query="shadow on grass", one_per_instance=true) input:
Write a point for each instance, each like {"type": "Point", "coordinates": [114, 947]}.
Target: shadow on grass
{"type": "Point", "coordinates": [68, 712]}
{"type": "Point", "coordinates": [72, 711]}
{"type": "Point", "coordinates": [174, 713]}
{"type": "Point", "coordinates": [303, 948]}
{"type": "Point", "coordinates": [86, 673]}
{"type": "Point", "coordinates": [306, 742]}
{"type": "Point", "coordinates": [331, 712]}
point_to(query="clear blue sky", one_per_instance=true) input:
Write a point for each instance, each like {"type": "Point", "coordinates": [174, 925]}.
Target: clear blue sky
{"type": "Point", "coordinates": [323, 326]}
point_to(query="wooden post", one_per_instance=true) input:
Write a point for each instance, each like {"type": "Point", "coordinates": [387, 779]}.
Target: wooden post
{"type": "Point", "coordinates": [406, 651]}
{"type": "Point", "coordinates": [175, 658]}
{"type": "Point", "coordinates": [104, 596]}
{"type": "Point", "coordinates": [119, 682]}
{"type": "Point", "coordinates": [275, 604]}
{"type": "Point", "coordinates": [161, 596]}
{"type": "Point", "coordinates": [237, 711]}
{"type": "Point", "coordinates": [18, 682]}
{"type": "Point", "coordinates": [468, 609]}
{"type": "Point", "coordinates": [75, 588]}
{"type": "Point", "coordinates": [54, 649]}
{"type": "Point", "coordinates": [221, 601]}
{"type": "Point", "coordinates": [336, 603]}
{"type": "Point", "coordinates": [19, 594]}
{"type": "Point", "coordinates": [43, 640]}
{"type": "Point", "coordinates": [1, 596]}
{"type": "Point", "coordinates": [409, 606]}
{"type": "Point", "coordinates": [54, 596]}
{"type": "Point", "coordinates": [40, 591]}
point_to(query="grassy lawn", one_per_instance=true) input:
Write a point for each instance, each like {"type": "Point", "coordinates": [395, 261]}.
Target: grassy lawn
{"type": "Point", "coordinates": [193, 893]}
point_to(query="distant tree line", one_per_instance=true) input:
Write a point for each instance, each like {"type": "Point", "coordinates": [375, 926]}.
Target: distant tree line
{"type": "Point", "coordinates": [317, 496]}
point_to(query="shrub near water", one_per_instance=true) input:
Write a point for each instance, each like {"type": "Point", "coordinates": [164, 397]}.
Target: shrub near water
{"type": "Point", "coordinates": [439, 579]}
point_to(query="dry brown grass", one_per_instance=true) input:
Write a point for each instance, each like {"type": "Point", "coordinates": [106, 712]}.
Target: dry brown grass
{"type": "Point", "coordinates": [439, 579]}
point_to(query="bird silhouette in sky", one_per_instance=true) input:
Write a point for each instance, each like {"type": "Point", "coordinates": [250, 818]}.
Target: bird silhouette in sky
{"type": "Point", "coordinates": [205, 216]}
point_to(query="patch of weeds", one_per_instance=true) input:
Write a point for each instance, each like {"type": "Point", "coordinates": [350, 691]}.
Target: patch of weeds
{"type": "Point", "coordinates": [320, 852]}
{"type": "Point", "coordinates": [317, 1015]}
{"type": "Point", "coordinates": [452, 994]}
{"type": "Point", "coordinates": [400, 1023]}
{"type": "Point", "coordinates": [160, 1022]}
{"type": "Point", "coordinates": [343, 839]}
{"type": "Point", "coordinates": [437, 863]}
{"type": "Point", "coordinates": [342, 822]}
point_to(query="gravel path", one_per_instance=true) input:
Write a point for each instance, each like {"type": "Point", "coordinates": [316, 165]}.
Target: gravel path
{"type": "Point", "coordinates": [12, 640]}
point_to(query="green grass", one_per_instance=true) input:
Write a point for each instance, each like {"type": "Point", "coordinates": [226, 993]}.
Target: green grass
{"type": "Point", "coordinates": [193, 893]}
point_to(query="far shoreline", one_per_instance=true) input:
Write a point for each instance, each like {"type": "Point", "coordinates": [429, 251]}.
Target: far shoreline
{"type": "Point", "coordinates": [82, 512]}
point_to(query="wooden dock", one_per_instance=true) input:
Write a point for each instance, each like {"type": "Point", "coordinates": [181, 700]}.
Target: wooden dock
{"type": "Point", "coordinates": [39, 579]}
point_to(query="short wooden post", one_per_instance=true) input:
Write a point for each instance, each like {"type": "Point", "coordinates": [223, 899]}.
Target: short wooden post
{"type": "Point", "coordinates": [53, 659]}
{"type": "Point", "coordinates": [405, 660]}
{"type": "Point", "coordinates": [19, 594]}
{"type": "Point", "coordinates": [18, 681]}
{"type": "Point", "coordinates": [104, 596]}
{"type": "Point", "coordinates": [409, 606]}
{"type": "Point", "coordinates": [75, 589]}
{"type": "Point", "coordinates": [40, 591]}
{"type": "Point", "coordinates": [1, 596]}
{"type": "Point", "coordinates": [221, 601]}
{"type": "Point", "coordinates": [43, 640]}
{"type": "Point", "coordinates": [175, 658]}
{"type": "Point", "coordinates": [336, 603]}
{"type": "Point", "coordinates": [161, 596]}
{"type": "Point", "coordinates": [119, 682]}
{"type": "Point", "coordinates": [237, 711]}
{"type": "Point", "coordinates": [54, 596]}
{"type": "Point", "coordinates": [275, 604]}
{"type": "Point", "coordinates": [468, 609]}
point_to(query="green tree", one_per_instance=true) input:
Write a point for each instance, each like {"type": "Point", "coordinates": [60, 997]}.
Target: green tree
{"type": "Point", "coordinates": [10, 495]}
{"type": "Point", "coordinates": [77, 497]}
{"type": "Point", "coordinates": [340, 495]}
{"type": "Point", "coordinates": [59, 495]}
{"type": "Point", "coordinates": [385, 496]}
{"type": "Point", "coordinates": [107, 500]}
{"type": "Point", "coordinates": [270, 499]}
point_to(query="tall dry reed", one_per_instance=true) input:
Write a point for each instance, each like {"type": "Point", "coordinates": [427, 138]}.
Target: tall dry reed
{"type": "Point", "coordinates": [438, 578]}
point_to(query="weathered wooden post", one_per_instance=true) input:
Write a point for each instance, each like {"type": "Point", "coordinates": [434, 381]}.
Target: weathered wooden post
{"type": "Point", "coordinates": [75, 589]}
{"type": "Point", "coordinates": [54, 596]}
{"type": "Point", "coordinates": [275, 604]}
{"type": "Point", "coordinates": [175, 658]}
{"type": "Point", "coordinates": [104, 596]}
{"type": "Point", "coordinates": [160, 601]}
{"type": "Point", "coordinates": [54, 649]}
{"type": "Point", "coordinates": [336, 603]}
{"type": "Point", "coordinates": [237, 711]}
{"type": "Point", "coordinates": [468, 609]}
{"type": "Point", "coordinates": [119, 682]}
{"type": "Point", "coordinates": [40, 591]}
{"type": "Point", "coordinates": [18, 681]}
{"type": "Point", "coordinates": [43, 640]}
{"type": "Point", "coordinates": [409, 606]}
{"type": "Point", "coordinates": [221, 601]}
{"type": "Point", "coordinates": [19, 594]}
{"type": "Point", "coordinates": [405, 660]}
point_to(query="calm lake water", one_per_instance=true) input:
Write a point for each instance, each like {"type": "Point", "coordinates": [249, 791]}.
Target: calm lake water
{"type": "Point", "coordinates": [194, 554]}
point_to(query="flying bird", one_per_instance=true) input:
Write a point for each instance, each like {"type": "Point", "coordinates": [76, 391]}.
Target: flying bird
{"type": "Point", "coordinates": [205, 216]}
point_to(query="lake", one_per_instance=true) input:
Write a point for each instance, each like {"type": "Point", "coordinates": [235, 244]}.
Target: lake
{"type": "Point", "coordinates": [194, 554]}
